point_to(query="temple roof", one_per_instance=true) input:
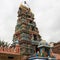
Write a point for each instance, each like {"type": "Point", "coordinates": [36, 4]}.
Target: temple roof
{"type": "Point", "coordinates": [43, 43]}
{"type": "Point", "coordinates": [26, 9]}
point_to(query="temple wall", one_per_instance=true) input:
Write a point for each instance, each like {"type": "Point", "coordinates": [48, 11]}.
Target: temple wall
{"type": "Point", "coordinates": [10, 50]}
{"type": "Point", "coordinates": [9, 57]}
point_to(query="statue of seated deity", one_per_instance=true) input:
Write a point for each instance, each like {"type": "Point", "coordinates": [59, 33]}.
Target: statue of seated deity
{"type": "Point", "coordinates": [44, 53]}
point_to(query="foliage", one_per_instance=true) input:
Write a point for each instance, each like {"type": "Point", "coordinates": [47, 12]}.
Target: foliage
{"type": "Point", "coordinates": [3, 43]}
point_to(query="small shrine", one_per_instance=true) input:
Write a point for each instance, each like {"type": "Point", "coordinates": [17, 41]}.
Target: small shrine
{"type": "Point", "coordinates": [45, 49]}
{"type": "Point", "coordinates": [44, 52]}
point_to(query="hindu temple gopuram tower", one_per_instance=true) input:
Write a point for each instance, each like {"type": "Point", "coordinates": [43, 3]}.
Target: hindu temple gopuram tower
{"type": "Point", "coordinates": [26, 33]}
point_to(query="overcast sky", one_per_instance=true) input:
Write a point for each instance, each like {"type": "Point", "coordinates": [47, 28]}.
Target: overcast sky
{"type": "Point", "coordinates": [47, 18]}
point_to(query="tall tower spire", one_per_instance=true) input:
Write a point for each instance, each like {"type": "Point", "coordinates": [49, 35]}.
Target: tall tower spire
{"type": "Point", "coordinates": [26, 32]}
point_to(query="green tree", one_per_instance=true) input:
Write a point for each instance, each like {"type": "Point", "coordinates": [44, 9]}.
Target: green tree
{"type": "Point", "coordinates": [3, 43]}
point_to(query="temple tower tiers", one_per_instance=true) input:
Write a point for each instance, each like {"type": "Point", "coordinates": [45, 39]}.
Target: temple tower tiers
{"type": "Point", "coordinates": [26, 32]}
